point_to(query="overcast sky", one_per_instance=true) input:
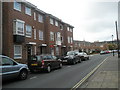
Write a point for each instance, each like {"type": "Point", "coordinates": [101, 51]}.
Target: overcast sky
{"type": "Point", "coordinates": [93, 20]}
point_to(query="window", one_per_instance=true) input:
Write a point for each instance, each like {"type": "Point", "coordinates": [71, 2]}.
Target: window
{"type": "Point", "coordinates": [17, 51]}
{"type": "Point", "coordinates": [19, 27]}
{"type": "Point", "coordinates": [40, 18]}
{"type": "Point", "coordinates": [28, 31]}
{"type": "Point", "coordinates": [58, 38]}
{"type": "Point", "coordinates": [68, 28]}
{"type": "Point", "coordinates": [56, 23]}
{"type": "Point", "coordinates": [17, 6]}
{"type": "Point", "coordinates": [51, 21]}
{"type": "Point", "coordinates": [34, 33]}
{"type": "Point", "coordinates": [51, 36]}
{"type": "Point", "coordinates": [57, 50]}
{"type": "Point", "coordinates": [40, 35]}
{"type": "Point", "coordinates": [61, 26]}
{"type": "Point", "coordinates": [34, 16]}
{"type": "Point", "coordinates": [35, 50]}
{"type": "Point", "coordinates": [68, 39]}
{"type": "Point", "coordinates": [71, 40]}
{"type": "Point", "coordinates": [61, 38]}
{"type": "Point", "coordinates": [54, 57]}
{"type": "Point", "coordinates": [7, 61]}
{"type": "Point", "coordinates": [28, 11]}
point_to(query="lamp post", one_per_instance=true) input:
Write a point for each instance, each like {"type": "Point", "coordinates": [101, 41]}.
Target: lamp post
{"type": "Point", "coordinates": [117, 40]}
{"type": "Point", "coordinates": [0, 27]}
{"type": "Point", "coordinates": [112, 45]}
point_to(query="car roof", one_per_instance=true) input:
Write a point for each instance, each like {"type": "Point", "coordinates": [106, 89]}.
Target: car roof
{"type": "Point", "coordinates": [44, 55]}
{"type": "Point", "coordinates": [3, 56]}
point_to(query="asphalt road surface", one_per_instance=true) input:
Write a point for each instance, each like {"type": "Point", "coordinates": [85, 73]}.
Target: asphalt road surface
{"type": "Point", "coordinates": [66, 77]}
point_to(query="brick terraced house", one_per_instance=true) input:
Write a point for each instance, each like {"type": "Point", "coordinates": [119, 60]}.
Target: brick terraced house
{"type": "Point", "coordinates": [28, 31]}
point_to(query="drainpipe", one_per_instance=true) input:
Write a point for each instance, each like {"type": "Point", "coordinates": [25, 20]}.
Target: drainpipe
{"type": "Point", "coordinates": [0, 40]}
{"type": "Point", "coordinates": [0, 27]}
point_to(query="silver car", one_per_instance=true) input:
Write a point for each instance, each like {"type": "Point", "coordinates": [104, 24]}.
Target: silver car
{"type": "Point", "coordinates": [10, 69]}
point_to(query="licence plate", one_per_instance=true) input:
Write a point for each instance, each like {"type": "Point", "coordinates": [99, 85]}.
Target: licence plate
{"type": "Point", "coordinates": [34, 64]}
{"type": "Point", "coordinates": [64, 60]}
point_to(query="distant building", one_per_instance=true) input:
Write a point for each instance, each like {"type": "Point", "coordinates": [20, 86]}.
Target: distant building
{"type": "Point", "coordinates": [93, 47]}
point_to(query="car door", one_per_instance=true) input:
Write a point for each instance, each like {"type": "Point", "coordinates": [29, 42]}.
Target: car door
{"type": "Point", "coordinates": [9, 68]}
{"type": "Point", "coordinates": [51, 61]}
{"type": "Point", "coordinates": [56, 61]}
{"type": "Point", "coordinates": [77, 56]}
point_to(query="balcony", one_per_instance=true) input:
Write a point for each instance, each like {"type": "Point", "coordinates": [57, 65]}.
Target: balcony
{"type": "Point", "coordinates": [19, 39]}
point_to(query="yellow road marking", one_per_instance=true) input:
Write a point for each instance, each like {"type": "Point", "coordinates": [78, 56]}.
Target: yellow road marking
{"type": "Point", "coordinates": [88, 75]}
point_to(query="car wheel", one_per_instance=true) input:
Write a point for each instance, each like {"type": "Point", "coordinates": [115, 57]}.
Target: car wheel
{"type": "Point", "coordinates": [79, 60]}
{"type": "Point", "coordinates": [23, 75]}
{"type": "Point", "coordinates": [88, 58]}
{"type": "Point", "coordinates": [48, 69]}
{"type": "Point", "coordinates": [74, 63]}
{"type": "Point", "coordinates": [85, 58]}
{"type": "Point", "coordinates": [60, 65]}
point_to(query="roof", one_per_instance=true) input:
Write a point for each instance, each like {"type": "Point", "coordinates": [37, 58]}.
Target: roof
{"type": "Point", "coordinates": [35, 7]}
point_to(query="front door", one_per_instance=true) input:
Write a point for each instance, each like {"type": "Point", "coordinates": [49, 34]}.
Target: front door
{"type": "Point", "coordinates": [29, 52]}
{"type": "Point", "coordinates": [42, 50]}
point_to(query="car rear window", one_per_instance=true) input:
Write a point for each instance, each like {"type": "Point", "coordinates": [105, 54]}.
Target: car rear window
{"type": "Point", "coordinates": [70, 53]}
{"type": "Point", "coordinates": [36, 58]}
{"type": "Point", "coordinates": [47, 57]}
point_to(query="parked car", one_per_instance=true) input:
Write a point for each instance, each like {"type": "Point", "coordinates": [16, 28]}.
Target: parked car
{"type": "Point", "coordinates": [84, 56]}
{"type": "Point", "coordinates": [12, 69]}
{"type": "Point", "coordinates": [43, 62]}
{"type": "Point", "coordinates": [71, 58]}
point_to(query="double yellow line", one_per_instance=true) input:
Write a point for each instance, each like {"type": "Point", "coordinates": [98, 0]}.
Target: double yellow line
{"type": "Point", "coordinates": [88, 75]}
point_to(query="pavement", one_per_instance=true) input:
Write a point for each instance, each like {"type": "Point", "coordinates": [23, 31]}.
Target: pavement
{"type": "Point", "coordinates": [106, 76]}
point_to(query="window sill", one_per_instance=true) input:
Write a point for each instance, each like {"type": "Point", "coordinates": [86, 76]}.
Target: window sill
{"type": "Point", "coordinates": [28, 14]}
{"type": "Point", "coordinates": [17, 57]}
{"type": "Point", "coordinates": [17, 10]}
{"type": "Point", "coordinates": [28, 36]}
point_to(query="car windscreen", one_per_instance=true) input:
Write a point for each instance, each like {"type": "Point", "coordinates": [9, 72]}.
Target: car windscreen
{"type": "Point", "coordinates": [70, 53]}
{"type": "Point", "coordinates": [36, 58]}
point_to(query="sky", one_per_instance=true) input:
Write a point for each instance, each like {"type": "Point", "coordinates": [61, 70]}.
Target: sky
{"type": "Point", "coordinates": [93, 20]}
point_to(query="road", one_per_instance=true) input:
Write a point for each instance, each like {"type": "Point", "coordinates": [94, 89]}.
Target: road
{"type": "Point", "coordinates": [66, 77]}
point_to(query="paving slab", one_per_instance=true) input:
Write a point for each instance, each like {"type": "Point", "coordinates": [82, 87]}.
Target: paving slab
{"type": "Point", "coordinates": [106, 76]}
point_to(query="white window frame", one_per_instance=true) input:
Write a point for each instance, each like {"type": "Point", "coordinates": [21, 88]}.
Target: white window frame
{"type": "Point", "coordinates": [51, 21]}
{"type": "Point", "coordinates": [71, 40]}
{"type": "Point", "coordinates": [18, 7]}
{"type": "Point", "coordinates": [35, 33]}
{"type": "Point", "coordinates": [15, 27]}
{"type": "Point", "coordinates": [28, 34]}
{"type": "Point", "coordinates": [28, 11]}
{"type": "Point", "coordinates": [52, 36]}
{"type": "Point", "coordinates": [56, 23]}
{"type": "Point", "coordinates": [34, 15]}
{"type": "Point", "coordinates": [35, 48]}
{"type": "Point", "coordinates": [68, 39]}
{"type": "Point", "coordinates": [18, 54]}
{"type": "Point", "coordinates": [40, 35]}
{"type": "Point", "coordinates": [40, 18]}
{"type": "Point", "coordinates": [58, 38]}
{"type": "Point", "coordinates": [68, 28]}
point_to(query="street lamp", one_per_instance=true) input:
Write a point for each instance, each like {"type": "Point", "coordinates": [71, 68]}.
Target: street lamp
{"type": "Point", "coordinates": [112, 45]}
{"type": "Point", "coordinates": [117, 40]}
